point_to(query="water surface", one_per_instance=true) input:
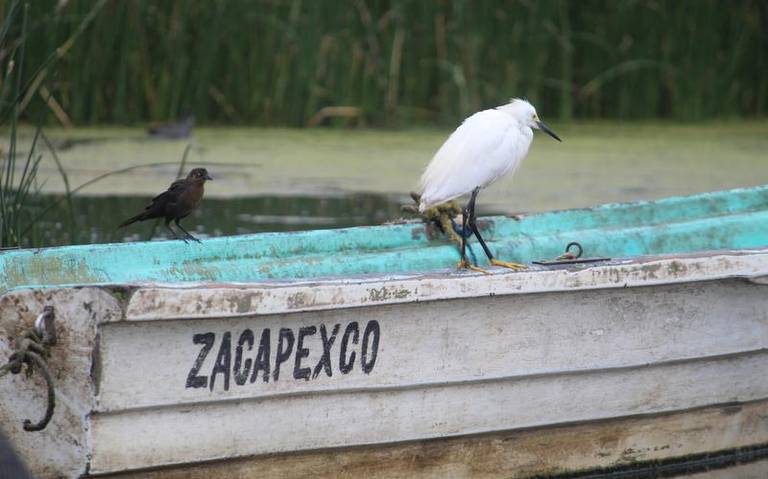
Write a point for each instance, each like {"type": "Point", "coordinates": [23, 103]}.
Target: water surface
{"type": "Point", "coordinates": [279, 179]}
{"type": "Point", "coordinates": [96, 217]}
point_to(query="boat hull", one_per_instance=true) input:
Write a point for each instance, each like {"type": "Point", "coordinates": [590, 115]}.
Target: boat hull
{"type": "Point", "coordinates": [551, 369]}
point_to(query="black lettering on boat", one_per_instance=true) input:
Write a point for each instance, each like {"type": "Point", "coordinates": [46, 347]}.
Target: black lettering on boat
{"type": "Point", "coordinates": [194, 380]}
{"type": "Point", "coordinates": [301, 353]}
{"type": "Point", "coordinates": [245, 356]}
{"type": "Point", "coordinates": [325, 358]}
{"type": "Point", "coordinates": [262, 357]}
{"type": "Point", "coordinates": [371, 329]}
{"type": "Point", "coordinates": [223, 364]}
{"type": "Point", "coordinates": [345, 366]}
{"type": "Point", "coordinates": [283, 350]}
{"type": "Point", "coordinates": [242, 368]}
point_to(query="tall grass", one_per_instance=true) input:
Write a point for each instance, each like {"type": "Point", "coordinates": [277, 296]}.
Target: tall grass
{"type": "Point", "coordinates": [15, 185]}
{"type": "Point", "coordinates": [277, 62]}
{"type": "Point", "coordinates": [19, 198]}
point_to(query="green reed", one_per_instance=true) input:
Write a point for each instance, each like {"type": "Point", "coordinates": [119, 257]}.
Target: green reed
{"type": "Point", "coordinates": [277, 62]}
{"type": "Point", "coordinates": [17, 171]}
{"type": "Point", "coordinates": [20, 200]}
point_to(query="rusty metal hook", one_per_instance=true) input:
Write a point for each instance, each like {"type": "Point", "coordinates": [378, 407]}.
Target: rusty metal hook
{"type": "Point", "coordinates": [51, 404]}
{"type": "Point", "coordinates": [571, 256]}
{"type": "Point", "coordinates": [31, 349]}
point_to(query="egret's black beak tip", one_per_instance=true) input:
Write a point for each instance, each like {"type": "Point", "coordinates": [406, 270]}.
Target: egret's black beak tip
{"type": "Point", "coordinates": [543, 127]}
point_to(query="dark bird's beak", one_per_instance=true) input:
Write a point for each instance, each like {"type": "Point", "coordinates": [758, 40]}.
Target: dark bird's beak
{"type": "Point", "coordinates": [208, 177]}
{"type": "Point", "coordinates": [546, 130]}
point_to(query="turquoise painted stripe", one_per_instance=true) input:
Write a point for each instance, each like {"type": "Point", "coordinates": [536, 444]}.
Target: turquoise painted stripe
{"type": "Point", "coordinates": [735, 219]}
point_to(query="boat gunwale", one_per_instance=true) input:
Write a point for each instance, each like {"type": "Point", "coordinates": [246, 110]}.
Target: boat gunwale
{"type": "Point", "coordinates": [281, 296]}
{"type": "Point", "coordinates": [323, 294]}
{"type": "Point", "coordinates": [463, 285]}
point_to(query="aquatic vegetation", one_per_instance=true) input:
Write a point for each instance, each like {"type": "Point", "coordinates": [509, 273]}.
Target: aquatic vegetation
{"type": "Point", "coordinates": [15, 186]}
{"type": "Point", "coordinates": [398, 62]}
{"type": "Point", "coordinates": [18, 170]}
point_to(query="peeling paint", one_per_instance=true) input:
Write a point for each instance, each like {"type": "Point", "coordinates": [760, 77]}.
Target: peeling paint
{"type": "Point", "coordinates": [735, 219]}
{"type": "Point", "coordinates": [18, 270]}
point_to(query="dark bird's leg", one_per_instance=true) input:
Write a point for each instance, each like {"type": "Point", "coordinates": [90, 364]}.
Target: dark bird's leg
{"type": "Point", "coordinates": [175, 235]}
{"type": "Point", "coordinates": [176, 221]}
{"type": "Point", "coordinates": [473, 225]}
{"type": "Point", "coordinates": [464, 262]}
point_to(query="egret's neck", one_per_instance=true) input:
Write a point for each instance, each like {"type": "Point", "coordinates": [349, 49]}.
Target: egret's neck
{"type": "Point", "coordinates": [526, 130]}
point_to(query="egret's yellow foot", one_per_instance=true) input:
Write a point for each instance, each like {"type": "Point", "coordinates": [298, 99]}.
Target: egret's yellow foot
{"type": "Point", "coordinates": [465, 264]}
{"type": "Point", "coordinates": [505, 264]}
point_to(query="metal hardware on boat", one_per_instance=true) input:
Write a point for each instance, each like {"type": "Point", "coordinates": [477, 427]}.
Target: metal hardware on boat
{"type": "Point", "coordinates": [44, 326]}
{"type": "Point", "coordinates": [31, 348]}
{"type": "Point", "coordinates": [570, 257]}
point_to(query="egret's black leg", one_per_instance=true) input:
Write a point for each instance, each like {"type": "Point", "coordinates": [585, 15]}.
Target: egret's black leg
{"type": "Point", "coordinates": [168, 226]}
{"type": "Point", "coordinates": [463, 236]}
{"type": "Point", "coordinates": [473, 225]}
{"type": "Point", "coordinates": [460, 232]}
{"type": "Point", "coordinates": [464, 263]}
{"type": "Point", "coordinates": [476, 231]}
{"type": "Point", "coordinates": [176, 221]}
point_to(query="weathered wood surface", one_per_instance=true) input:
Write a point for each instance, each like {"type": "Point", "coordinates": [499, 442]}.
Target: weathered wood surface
{"type": "Point", "coordinates": [160, 379]}
{"type": "Point", "coordinates": [514, 454]}
{"type": "Point", "coordinates": [240, 428]}
{"type": "Point", "coordinates": [593, 349]}
{"type": "Point", "coordinates": [217, 300]}
{"type": "Point", "coordinates": [60, 450]}
{"type": "Point", "coordinates": [425, 344]}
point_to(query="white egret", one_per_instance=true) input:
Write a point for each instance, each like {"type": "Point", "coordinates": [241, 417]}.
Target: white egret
{"type": "Point", "coordinates": [485, 147]}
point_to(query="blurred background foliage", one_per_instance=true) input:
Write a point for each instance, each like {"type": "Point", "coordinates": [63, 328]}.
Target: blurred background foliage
{"type": "Point", "coordinates": [401, 63]}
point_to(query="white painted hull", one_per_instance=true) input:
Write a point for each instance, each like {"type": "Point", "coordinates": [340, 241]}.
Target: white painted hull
{"type": "Point", "coordinates": [414, 358]}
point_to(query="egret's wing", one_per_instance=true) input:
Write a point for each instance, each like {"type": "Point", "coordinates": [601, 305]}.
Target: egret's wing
{"type": "Point", "coordinates": [478, 152]}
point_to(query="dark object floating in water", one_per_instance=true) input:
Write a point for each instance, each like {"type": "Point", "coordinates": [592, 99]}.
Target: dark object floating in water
{"type": "Point", "coordinates": [174, 130]}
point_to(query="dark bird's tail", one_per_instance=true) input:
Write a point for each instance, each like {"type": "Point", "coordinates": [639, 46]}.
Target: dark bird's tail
{"type": "Point", "coordinates": [139, 217]}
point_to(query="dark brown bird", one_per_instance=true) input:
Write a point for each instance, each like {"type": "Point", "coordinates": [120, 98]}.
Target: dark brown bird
{"type": "Point", "coordinates": [176, 203]}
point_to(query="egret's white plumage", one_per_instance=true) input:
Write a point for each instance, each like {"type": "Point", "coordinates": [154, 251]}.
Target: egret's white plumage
{"type": "Point", "coordinates": [486, 146]}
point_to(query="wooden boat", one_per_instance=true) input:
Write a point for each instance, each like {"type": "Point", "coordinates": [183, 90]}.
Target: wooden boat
{"type": "Point", "coordinates": [361, 351]}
